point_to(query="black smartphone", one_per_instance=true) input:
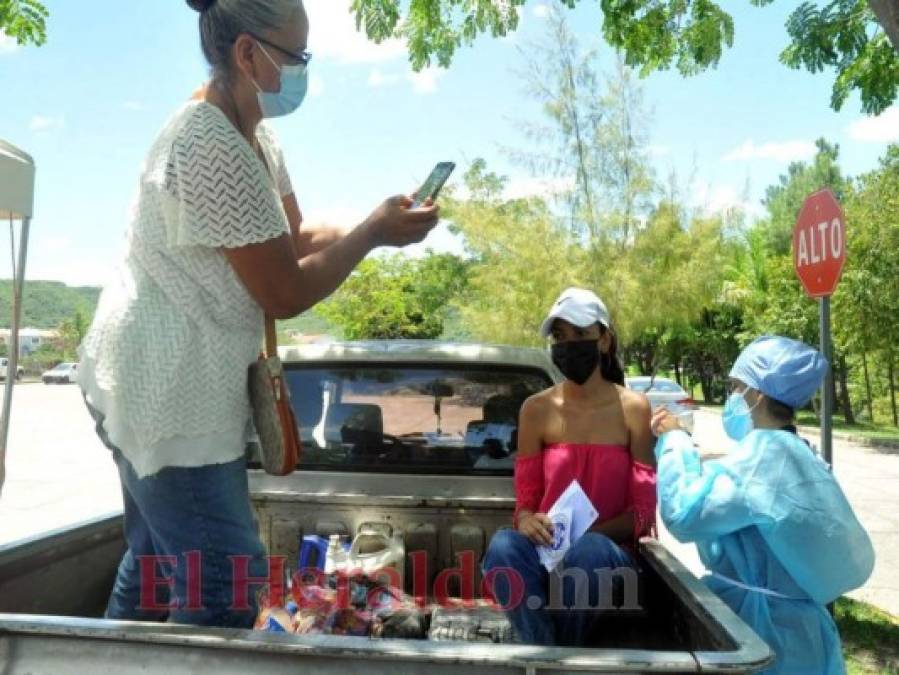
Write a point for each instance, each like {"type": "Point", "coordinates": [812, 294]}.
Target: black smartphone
{"type": "Point", "coordinates": [432, 186]}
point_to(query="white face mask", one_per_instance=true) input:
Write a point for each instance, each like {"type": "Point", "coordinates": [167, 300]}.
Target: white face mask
{"type": "Point", "coordinates": [294, 82]}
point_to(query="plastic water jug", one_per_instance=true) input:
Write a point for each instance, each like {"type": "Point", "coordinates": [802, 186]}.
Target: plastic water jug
{"type": "Point", "coordinates": [377, 546]}
{"type": "Point", "coordinates": [336, 555]}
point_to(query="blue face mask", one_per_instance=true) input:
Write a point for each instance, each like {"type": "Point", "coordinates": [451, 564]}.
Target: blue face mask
{"type": "Point", "coordinates": [737, 417]}
{"type": "Point", "coordinates": [294, 81]}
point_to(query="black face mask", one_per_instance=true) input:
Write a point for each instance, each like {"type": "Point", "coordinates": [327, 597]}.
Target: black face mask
{"type": "Point", "coordinates": [577, 360]}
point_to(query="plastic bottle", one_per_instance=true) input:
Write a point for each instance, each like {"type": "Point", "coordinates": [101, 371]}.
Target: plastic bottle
{"type": "Point", "coordinates": [336, 557]}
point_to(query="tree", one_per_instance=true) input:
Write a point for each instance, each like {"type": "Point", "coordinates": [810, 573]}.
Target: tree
{"type": "Point", "coordinates": [844, 35]}
{"type": "Point", "coordinates": [676, 271]}
{"type": "Point", "coordinates": [396, 297]}
{"type": "Point", "coordinates": [43, 358]}
{"type": "Point", "coordinates": [594, 136]}
{"type": "Point", "coordinates": [851, 36]}
{"type": "Point", "coordinates": [866, 304]}
{"type": "Point", "coordinates": [564, 80]}
{"type": "Point", "coordinates": [713, 344]}
{"type": "Point", "coordinates": [785, 199]}
{"type": "Point", "coordinates": [522, 257]}
{"type": "Point", "coordinates": [24, 20]}
{"type": "Point", "coordinates": [72, 332]}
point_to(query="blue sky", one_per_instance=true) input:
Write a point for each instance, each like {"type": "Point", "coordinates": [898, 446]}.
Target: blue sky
{"type": "Point", "coordinates": [88, 104]}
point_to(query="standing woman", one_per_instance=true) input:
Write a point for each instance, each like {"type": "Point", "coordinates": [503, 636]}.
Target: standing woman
{"type": "Point", "coordinates": [214, 243]}
{"type": "Point", "coordinates": [592, 429]}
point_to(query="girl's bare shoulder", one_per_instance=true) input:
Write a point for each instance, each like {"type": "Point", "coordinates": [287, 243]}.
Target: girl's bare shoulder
{"type": "Point", "coordinates": [543, 402]}
{"type": "Point", "coordinates": [634, 403]}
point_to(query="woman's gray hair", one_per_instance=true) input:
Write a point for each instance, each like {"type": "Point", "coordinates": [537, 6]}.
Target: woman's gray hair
{"type": "Point", "coordinates": [223, 21]}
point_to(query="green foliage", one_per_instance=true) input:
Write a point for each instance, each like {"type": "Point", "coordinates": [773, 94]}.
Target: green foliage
{"type": "Point", "coordinates": [46, 304]}
{"type": "Point", "coordinates": [42, 359]}
{"type": "Point", "coordinates": [686, 292]}
{"type": "Point", "coordinates": [436, 28]}
{"type": "Point", "coordinates": [870, 638]}
{"type": "Point", "coordinates": [841, 35]}
{"type": "Point", "coordinates": [714, 342]}
{"type": "Point", "coordinates": [396, 297]}
{"type": "Point", "coordinates": [788, 311]}
{"type": "Point", "coordinates": [71, 333]}
{"type": "Point", "coordinates": [690, 35]}
{"type": "Point", "coordinates": [785, 199]}
{"type": "Point", "coordinates": [24, 20]}
{"type": "Point", "coordinates": [522, 257]}
{"type": "Point", "coordinates": [309, 323]}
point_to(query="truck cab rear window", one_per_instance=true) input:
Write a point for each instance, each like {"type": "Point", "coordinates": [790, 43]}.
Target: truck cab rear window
{"type": "Point", "coordinates": [402, 419]}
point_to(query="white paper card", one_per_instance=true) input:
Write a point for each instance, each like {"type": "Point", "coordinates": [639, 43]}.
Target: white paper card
{"type": "Point", "coordinates": [572, 514]}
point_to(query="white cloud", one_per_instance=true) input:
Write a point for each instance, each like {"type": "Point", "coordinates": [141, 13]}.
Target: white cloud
{"type": "Point", "coordinates": [378, 79]}
{"type": "Point", "coordinates": [520, 187]}
{"type": "Point", "coordinates": [41, 123]}
{"type": "Point", "coordinates": [714, 199]}
{"type": "Point", "coordinates": [425, 81]}
{"type": "Point", "coordinates": [658, 150]}
{"type": "Point", "coordinates": [440, 240]}
{"type": "Point", "coordinates": [881, 129]}
{"type": "Point", "coordinates": [7, 44]}
{"type": "Point", "coordinates": [333, 35]}
{"type": "Point", "coordinates": [541, 10]}
{"type": "Point", "coordinates": [786, 151]}
{"type": "Point", "coordinates": [316, 86]}
{"type": "Point", "coordinates": [135, 106]}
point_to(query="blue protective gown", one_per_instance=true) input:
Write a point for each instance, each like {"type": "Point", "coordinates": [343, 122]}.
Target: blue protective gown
{"type": "Point", "coordinates": [776, 531]}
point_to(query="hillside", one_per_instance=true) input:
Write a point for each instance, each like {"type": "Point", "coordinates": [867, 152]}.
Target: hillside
{"type": "Point", "coordinates": [47, 303]}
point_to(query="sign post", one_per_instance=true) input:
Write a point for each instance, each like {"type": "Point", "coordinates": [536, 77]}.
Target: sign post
{"type": "Point", "coordinates": [819, 253]}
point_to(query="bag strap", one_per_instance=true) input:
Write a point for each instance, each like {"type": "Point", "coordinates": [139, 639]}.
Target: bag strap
{"type": "Point", "coordinates": [271, 337]}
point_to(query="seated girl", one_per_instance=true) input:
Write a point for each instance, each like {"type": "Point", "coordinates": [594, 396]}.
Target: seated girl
{"type": "Point", "coordinates": [589, 428]}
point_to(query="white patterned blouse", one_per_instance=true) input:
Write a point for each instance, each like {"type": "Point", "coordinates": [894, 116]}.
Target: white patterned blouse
{"type": "Point", "coordinates": [166, 358]}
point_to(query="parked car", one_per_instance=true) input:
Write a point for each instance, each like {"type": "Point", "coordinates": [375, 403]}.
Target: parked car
{"type": "Point", "coordinates": [64, 373]}
{"type": "Point", "coordinates": [419, 440]}
{"type": "Point", "coordinates": [665, 393]}
{"type": "Point", "coordinates": [4, 365]}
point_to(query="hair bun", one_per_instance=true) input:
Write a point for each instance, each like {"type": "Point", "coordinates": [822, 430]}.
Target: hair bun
{"type": "Point", "coordinates": [200, 5]}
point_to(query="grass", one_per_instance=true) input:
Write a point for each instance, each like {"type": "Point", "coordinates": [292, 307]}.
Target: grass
{"type": "Point", "coordinates": [874, 432]}
{"type": "Point", "coordinates": [870, 638]}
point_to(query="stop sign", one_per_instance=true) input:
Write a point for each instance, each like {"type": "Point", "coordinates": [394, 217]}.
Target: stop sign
{"type": "Point", "coordinates": [819, 244]}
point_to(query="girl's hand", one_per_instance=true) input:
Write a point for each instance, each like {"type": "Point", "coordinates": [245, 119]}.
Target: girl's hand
{"type": "Point", "coordinates": [537, 527]}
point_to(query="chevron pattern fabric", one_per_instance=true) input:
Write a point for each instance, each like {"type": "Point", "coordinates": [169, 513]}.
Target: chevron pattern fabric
{"type": "Point", "coordinates": [175, 332]}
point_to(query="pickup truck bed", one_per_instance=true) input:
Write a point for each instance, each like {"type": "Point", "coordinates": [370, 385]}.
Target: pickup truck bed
{"type": "Point", "coordinates": [53, 588]}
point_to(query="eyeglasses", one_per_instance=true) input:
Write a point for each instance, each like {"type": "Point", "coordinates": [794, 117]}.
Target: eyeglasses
{"type": "Point", "coordinates": [297, 58]}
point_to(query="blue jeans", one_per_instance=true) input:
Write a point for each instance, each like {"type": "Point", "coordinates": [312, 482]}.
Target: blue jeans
{"type": "Point", "coordinates": [200, 518]}
{"type": "Point", "coordinates": [534, 618]}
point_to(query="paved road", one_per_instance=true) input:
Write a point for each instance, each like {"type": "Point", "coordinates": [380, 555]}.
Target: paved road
{"type": "Point", "coordinates": [59, 473]}
{"type": "Point", "coordinates": [871, 483]}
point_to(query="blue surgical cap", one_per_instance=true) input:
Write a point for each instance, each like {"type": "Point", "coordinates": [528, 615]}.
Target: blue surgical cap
{"type": "Point", "coordinates": [783, 369]}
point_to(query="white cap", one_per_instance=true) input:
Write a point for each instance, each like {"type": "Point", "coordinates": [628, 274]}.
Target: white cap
{"type": "Point", "coordinates": [579, 307]}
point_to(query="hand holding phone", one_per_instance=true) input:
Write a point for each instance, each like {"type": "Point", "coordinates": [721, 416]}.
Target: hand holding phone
{"type": "Point", "coordinates": [434, 183]}
{"type": "Point", "coordinates": [396, 223]}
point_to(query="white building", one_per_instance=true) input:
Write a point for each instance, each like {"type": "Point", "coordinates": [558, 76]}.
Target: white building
{"type": "Point", "coordinates": [29, 339]}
